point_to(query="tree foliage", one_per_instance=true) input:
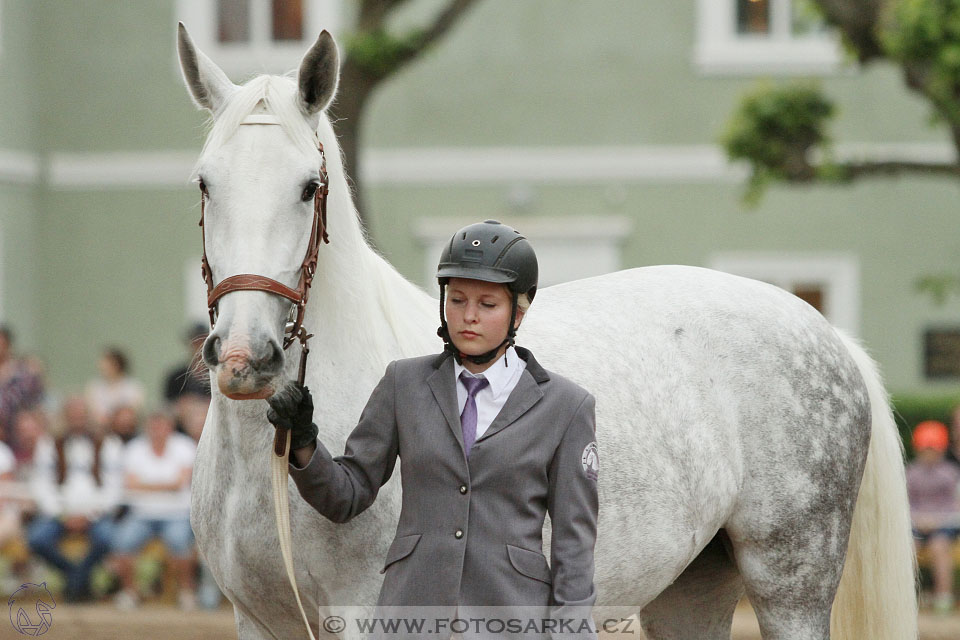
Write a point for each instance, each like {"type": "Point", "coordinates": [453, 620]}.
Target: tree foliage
{"type": "Point", "coordinates": [775, 130]}
{"type": "Point", "coordinates": [781, 131]}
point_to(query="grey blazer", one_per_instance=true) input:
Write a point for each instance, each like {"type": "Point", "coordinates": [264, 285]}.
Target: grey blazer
{"type": "Point", "coordinates": [470, 529]}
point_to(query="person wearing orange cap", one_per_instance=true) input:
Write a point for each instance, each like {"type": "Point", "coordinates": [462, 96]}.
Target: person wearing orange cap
{"type": "Point", "coordinates": [932, 485]}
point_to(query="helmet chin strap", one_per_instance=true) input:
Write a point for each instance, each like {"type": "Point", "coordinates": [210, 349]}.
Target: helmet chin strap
{"type": "Point", "coordinates": [482, 358]}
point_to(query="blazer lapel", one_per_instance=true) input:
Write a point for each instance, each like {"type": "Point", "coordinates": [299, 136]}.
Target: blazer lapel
{"type": "Point", "coordinates": [442, 384]}
{"type": "Point", "coordinates": [526, 394]}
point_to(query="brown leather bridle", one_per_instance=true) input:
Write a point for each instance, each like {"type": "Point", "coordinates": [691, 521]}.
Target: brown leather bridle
{"type": "Point", "coordinates": [253, 282]}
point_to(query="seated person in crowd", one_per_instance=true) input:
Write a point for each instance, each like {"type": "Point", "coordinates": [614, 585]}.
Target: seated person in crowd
{"type": "Point", "coordinates": [157, 466]}
{"type": "Point", "coordinates": [125, 423]}
{"type": "Point", "coordinates": [9, 508]}
{"type": "Point", "coordinates": [77, 485]}
{"type": "Point", "coordinates": [187, 385]}
{"type": "Point", "coordinates": [21, 387]}
{"type": "Point", "coordinates": [113, 388]}
{"type": "Point", "coordinates": [16, 499]}
{"type": "Point", "coordinates": [932, 485]}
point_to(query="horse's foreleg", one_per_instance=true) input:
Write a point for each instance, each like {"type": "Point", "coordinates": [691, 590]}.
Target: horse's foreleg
{"type": "Point", "coordinates": [699, 604]}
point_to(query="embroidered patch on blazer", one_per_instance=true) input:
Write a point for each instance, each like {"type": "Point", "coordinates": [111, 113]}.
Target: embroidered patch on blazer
{"type": "Point", "coordinates": [590, 459]}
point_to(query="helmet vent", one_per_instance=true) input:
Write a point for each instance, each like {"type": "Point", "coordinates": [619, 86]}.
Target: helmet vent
{"type": "Point", "coordinates": [464, 236]}
{"type": "Point", "coordinates": [475, 243]}
{"type": "Point", "coordinates": [494, 239]}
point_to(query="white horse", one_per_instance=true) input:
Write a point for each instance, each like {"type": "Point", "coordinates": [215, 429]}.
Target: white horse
{"type": "Point", "coordinates": [734, 423]}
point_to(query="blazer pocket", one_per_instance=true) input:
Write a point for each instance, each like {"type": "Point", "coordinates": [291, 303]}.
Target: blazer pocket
{"type": "Point", "coordinates": [530, 563]}
{"type": "Point", "coordinates": [400, 549]}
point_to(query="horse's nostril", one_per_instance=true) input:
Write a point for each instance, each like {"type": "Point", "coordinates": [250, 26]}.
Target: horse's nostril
{"type": "Point", "coordinates": [274, 362]}
{"type": "Point", "coordinates": [211, 351]}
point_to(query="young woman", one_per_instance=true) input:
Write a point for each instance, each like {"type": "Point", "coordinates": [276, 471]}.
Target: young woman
{"type": "Point", "coordinates": [488, 441]}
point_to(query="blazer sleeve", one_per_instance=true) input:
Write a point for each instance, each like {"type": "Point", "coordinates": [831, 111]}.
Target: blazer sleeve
{"type": "Point", "coordinates": [342, 487]}
{"type": "Point", "coordinates": [573, 504]}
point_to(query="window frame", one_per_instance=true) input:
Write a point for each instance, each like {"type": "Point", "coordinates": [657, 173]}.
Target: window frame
{"type": "Point", "coordinates": [261, 54]}
{"type": "Point", "coordinates": [721, 50]}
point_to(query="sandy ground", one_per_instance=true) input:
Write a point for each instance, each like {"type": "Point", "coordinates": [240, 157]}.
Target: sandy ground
{"type": "Point", "coordinates": [103, 622]}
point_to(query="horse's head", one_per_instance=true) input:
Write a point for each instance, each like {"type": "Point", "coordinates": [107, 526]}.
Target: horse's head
{"type": "Point", "coordinates": [258, 184]}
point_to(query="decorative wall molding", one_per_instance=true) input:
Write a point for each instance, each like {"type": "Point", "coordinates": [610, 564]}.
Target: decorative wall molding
{"type": "Point", "coordinates": [20, 167]}
{"type": "Point", "coordinates": [132, 170]}
{"type": "Point", "coordinates": [443, 165]}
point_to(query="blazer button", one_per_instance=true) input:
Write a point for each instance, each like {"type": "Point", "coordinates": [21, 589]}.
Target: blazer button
{"type": "Point", "coordinates": [463, 488]}
{"type": "Point", "coordinates": [458, 534]}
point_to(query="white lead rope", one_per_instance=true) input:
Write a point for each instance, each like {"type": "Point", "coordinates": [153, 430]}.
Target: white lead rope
{"type": "Point", "coordinates": [281, 507]}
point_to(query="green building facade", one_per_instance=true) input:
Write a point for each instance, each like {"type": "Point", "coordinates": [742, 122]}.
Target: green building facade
{"type": "Point", "coordinates": [591, 125]}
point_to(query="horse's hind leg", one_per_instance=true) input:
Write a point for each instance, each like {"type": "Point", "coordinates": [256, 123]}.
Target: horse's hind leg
{"type": "Point", "coordinates": [791, 563]}
{"type": "Point", "coordinates": [699, 604]}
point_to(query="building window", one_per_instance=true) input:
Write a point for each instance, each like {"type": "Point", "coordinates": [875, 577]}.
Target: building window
{"type": "Point", "coordinates": [256, 36]}
{"type": "Point", "coordinates": [764, 36]}
{"type": "Point", "coordinates": [830, 283]}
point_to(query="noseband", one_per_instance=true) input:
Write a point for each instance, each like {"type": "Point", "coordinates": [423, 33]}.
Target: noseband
{"type": "Point", "coordinates": [253, 282]}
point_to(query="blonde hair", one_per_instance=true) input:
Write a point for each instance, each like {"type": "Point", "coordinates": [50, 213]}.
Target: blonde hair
{"type": "Point", "coordinates": [523, 302]}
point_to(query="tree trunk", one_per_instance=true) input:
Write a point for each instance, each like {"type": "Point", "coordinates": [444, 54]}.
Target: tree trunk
{"type": "Point", "coordinates": [346, 115]}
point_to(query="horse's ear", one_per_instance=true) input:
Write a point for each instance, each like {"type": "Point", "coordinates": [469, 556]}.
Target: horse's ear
{"type": "Point", "coordinates": [209, 86]}
{"type": "Point", "coordinates": [317, 77]}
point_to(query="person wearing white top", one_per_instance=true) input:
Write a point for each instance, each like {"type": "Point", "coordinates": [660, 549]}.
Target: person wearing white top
{"type": "Point", "coordinates": [114, 389]}
{"type": "Point", "coordinates": [9, 511]}
{"type": "Point", "coordinates": [158, 466]}
{"type": "Point", "coordinates": [76, 484]}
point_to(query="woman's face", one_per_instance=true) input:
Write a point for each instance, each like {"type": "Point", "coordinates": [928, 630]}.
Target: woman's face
{"type": "Point", "coordinates": [108, 367]}
{"type": "Point", "coordinates": [478, 314]}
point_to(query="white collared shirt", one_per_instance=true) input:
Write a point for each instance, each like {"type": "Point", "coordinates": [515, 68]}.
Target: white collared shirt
{"type": "Point", "coordinates": [491, 398]}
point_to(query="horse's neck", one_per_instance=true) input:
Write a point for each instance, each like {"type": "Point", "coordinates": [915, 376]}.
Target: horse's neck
{"type": "Point", "coordinates": [365, 314]}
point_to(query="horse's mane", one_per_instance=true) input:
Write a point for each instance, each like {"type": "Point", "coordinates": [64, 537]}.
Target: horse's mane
{"type": "Point", "coordinates": [276, 95]}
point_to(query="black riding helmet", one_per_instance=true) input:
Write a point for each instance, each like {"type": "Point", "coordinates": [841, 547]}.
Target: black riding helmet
{"type": "Point", "coordinates": [492, 252]}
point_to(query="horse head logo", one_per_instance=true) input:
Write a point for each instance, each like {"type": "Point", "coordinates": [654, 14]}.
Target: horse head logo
{"type": "Point", "coordinates": [30, 607]}
{"type": "Point", "coordinates": [590, 459]}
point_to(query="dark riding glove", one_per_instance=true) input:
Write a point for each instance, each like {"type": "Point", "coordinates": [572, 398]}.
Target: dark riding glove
{"type": "Point", "coordinates": [292, 408]}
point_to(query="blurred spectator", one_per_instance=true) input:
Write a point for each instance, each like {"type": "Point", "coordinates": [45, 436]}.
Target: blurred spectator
{"type": "Point", "coordinates": [193, 413]}
{"type": "Point", "coordinates": [190, 380]}
{"type": "Point", "coordinates": [158, 466]}
{"type": "Point", "coordinates": [114, 388]}
{"type": "Point", "coordinates": [932, 485]}
{"type": "Point", "coordinates": [9, 508]}
{"type": "Point", "coordinates": [953, 453]}
{"type": "Point", "coordinates": [29, 426]}
{"type": "Point", "coordinates": [21, 387]}
{"type": "Point", "coordinates": [77, 483]}
{"type": "Point", "coordinates": [16, 500]}
{"type": "Point", "coordinates": [125, 423]}
{"type": "Point", "coordinates": [10, 521]}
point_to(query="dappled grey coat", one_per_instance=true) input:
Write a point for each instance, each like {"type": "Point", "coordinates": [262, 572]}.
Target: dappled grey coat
{"type": "Point", "coordinates": [537, 455]}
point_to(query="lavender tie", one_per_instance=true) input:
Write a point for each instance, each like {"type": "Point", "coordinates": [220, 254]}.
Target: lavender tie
{"type": "Point", "coordinates": [468, 418]}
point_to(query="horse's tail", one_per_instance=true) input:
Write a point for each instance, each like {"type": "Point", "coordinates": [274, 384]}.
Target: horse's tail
{"type": "Point", "coordinates": [876, 598]}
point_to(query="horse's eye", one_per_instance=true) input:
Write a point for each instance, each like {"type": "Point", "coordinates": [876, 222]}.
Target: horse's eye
{"type": "Point", "coordinates": [203, 186]}
{"type": "Point", "coordinates": [309, 191]}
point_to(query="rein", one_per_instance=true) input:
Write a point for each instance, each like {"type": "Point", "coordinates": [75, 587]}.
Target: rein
{"type": "Point", "coordinates": [298, 296]}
